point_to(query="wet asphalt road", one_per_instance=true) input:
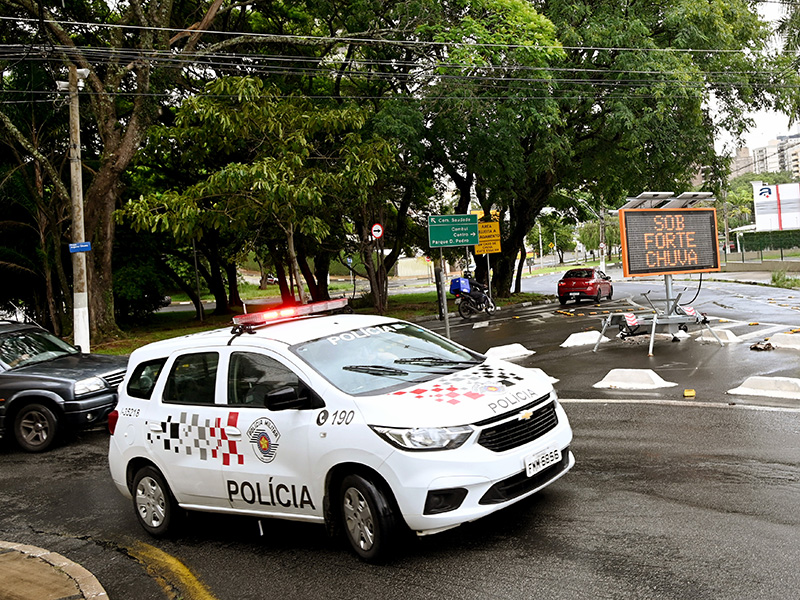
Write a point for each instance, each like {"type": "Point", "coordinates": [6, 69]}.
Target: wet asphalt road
{"type": "Point", "coordinates": [667, 500]}
{"type": "Point", "coordinates": [664, 502]}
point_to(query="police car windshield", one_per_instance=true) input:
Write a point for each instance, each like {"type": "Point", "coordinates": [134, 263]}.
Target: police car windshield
{"type": "Point", "coordinates": [365, 360]}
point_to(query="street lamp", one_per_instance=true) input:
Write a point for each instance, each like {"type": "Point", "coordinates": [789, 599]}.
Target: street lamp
{"type": "Point", "coordinates": [80, 293]}
{"type": "Point", "coordinates": [601, 217]}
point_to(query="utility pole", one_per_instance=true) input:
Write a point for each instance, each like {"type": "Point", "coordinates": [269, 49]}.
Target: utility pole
{"type": "Point", "coordinates": [727, 228]}
{"type": "Point", "coordinates": [602, 218]}
{"type": "Point", "coordinates": [541, 255]}
{"type": "Point", "coordinates": [80, 292]}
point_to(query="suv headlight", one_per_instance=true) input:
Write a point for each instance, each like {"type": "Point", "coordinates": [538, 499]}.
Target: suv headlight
{"type": "Point", "coordinates": [424, 438]}
{"type": "Point", "coordinates": [89, 385]}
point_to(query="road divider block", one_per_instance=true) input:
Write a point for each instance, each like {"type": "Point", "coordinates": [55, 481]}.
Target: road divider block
{"type": "Point", "coordinates": [773, 387]}
{"type": "Point", "coordinates": [509, 351]}
{"type": "Point", "coordinates": [785, 340]}
{"type": "Point", "coordinates": [726, 336]}
{"type": "Point", "coordinates": [584, 338]}
{"type": "Point", "coordinates": [633, 379]}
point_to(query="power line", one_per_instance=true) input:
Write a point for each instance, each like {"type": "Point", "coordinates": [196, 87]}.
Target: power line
{"type": "Point", "coordinates": [367, 40]}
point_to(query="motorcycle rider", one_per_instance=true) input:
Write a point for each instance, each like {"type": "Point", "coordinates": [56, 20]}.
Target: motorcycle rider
{"type": "Point", "coordinates": [475, 289]}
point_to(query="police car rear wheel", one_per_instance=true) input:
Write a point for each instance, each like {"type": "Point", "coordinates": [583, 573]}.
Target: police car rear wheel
{"type": "Point", "coordinates": [155, 507]}
{"type": "Point", "coordinates": [369, 520]}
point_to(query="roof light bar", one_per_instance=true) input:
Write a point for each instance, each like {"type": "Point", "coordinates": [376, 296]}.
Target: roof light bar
{"type": "Point", "coordinates": [261, 318]}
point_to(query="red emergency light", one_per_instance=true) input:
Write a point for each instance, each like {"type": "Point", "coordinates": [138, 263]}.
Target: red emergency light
{"type": "Point", "coordinates": [261, 318]}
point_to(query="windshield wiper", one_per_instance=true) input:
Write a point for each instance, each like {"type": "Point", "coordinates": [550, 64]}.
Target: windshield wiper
{"type": "Point", "coordinates": [378, 370]}
{"type": "Point", "coordinates": [434, 361]}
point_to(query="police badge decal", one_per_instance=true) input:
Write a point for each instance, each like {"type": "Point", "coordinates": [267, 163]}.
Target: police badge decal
{"type": "Point", "coordinates": [264, 436]}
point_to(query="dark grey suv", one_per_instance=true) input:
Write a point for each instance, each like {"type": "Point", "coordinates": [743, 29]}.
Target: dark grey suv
{"type": "Point", "coordinates": [48, 386]}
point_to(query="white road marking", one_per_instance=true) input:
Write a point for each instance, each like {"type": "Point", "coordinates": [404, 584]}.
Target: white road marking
{"type": "Point", "coordinates": [731, 404]}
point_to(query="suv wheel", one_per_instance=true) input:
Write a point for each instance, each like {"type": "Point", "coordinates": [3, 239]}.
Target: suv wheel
{"type": "Point", "coordinates": [153, 502]}
{"type": "Point", "coordinates": [370, 522]}
{"type": "Point", "coordinates": [35, 428]}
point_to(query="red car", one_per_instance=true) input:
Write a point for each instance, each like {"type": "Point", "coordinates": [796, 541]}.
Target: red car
{"type": "Point", "coordinates": [585, 282]}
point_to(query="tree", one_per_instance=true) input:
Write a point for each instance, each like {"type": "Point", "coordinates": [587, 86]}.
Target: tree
{"type": "Point", "coordinates": [628, 107]}
{"type": "Point", "coordinates": [277, 159]}
{"type": "Point", "coordinates": [137, 65]}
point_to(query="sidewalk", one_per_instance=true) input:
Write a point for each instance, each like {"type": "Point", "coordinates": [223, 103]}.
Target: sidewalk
{"type": "Point", "coordinates": [31, 573]}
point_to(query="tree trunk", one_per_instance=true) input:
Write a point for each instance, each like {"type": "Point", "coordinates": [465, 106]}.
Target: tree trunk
{"type": "Point", "coordinates": [293, 263]}
{"type": "Point", "coordinates": [185, 287]}
{"type": "Point", "coordinates": [234, 298]}
{"type": "Point", "coordinates": [518, 284]}
{"type": "Point", "coordinates": [322, 269]}
{"type": "Point", "coordinates": [313, 288]}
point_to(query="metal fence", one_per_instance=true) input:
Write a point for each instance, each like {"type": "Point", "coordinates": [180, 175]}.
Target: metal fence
{"type": "Point", "coordinates": [764, 246]}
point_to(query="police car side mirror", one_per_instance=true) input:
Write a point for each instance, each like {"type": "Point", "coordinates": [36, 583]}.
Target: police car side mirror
{"type": "Point", "coordinates": [289, 398]}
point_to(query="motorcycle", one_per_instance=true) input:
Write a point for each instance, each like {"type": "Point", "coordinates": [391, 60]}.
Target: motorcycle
{"type": "Point", "coordinates": [470, 304]}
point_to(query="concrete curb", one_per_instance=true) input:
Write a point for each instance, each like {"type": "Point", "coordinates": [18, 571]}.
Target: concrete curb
{"type": "Point", "coordinates": [52, 563]}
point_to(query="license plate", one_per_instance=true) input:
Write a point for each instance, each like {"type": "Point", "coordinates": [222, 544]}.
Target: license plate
{"type": "Point", "coordinates": [538, 462]}
{"type": "Point", "coordinates": [574, 293]}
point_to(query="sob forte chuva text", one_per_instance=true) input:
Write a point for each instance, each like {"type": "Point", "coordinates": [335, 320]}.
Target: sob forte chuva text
{"type": "Point", "coordinates": [670, 244]}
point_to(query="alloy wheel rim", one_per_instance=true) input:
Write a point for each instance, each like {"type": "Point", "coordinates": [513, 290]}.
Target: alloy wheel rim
{"type": "Point", "coordinates": [358, 518]}
{"type": "Point", "coordinates": [150, 502]}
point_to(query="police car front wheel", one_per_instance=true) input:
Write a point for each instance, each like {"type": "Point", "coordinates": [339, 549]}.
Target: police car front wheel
{"type": "Point", "coordinates": [153, 502]}
{"type": "Point", "coordinates": [369, 519]}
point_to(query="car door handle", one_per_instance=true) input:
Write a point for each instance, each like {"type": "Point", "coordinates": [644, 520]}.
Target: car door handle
{"type": "Point", "coordinates": [232, 432]}
{"type": "Point", "coordinates": [154, 426]}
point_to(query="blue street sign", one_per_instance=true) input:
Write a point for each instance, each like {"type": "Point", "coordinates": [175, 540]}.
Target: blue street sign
{"type": "Point", "coordinates": [80, 247]}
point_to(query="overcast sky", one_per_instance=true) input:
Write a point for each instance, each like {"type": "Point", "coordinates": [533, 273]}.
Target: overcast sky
{"type": "Point", "coordinates": [769, 125]}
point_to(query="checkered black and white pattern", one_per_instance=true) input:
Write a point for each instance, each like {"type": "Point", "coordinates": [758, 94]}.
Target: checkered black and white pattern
{"type": "Point", "coordinates": [193, 436]}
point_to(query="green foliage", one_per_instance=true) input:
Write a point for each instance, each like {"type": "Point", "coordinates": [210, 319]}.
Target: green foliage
{"type": "Point", "coordinates": [782, 280]}
{"type": "Point", "coordinates": [138, 290]}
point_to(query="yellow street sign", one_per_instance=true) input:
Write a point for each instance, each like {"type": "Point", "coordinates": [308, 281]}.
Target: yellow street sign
{"type": "Point", "coordinates": [488, 237]}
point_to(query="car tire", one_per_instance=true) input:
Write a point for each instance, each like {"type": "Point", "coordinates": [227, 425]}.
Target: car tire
{"type": "Point", "coordinates": [155, 506]}
{"type": "Point", "coordinates": [562, 300]}
{"type": "Point", "coordinates": [369, 521]}
{"type": "Point", "coordinates": [610, 292]}
{"type": "Point", "coordinates": [35, 427]}
{"type": "Point", "coordinates": [598, 297]}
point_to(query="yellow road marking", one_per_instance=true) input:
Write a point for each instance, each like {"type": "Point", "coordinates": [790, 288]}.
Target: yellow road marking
{"type": "Point", "coordinates": [172, 575]}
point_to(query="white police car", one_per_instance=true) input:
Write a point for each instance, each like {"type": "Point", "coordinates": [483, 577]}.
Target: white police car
{"type": "Point", "coordinates": [364, 423]}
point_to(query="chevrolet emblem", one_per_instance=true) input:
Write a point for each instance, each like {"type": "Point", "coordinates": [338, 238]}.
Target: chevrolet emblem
{"type": "Point", "coordinates": [524, 415]}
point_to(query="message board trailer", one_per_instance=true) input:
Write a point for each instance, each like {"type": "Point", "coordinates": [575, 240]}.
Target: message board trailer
{"type": "Point", "coordinates": [665, 241]}
{"type": "Point", "coordinates": [659, 241]}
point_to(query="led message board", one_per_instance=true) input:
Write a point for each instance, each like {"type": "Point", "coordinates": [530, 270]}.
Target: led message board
{"type": "Point", "coordinates": [665, 241]}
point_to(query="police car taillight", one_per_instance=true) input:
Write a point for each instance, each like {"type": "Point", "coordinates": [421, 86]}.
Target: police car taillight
{"type": "Point", "coordinates": [260, 318]}
{"type": "Point", "coordinates": [113, 417]}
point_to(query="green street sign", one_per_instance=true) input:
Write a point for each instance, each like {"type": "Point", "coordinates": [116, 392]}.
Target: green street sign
{"type": "Point", "coordinates": [452, 230]}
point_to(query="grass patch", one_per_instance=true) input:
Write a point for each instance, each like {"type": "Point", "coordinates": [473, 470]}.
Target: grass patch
{"type": "Point", "coordinates": [161, 326]}
{"type": "Point", "coordinates": [165, 325]}
{"type": "Point", "coordinates": [250, 291]}
{"type": "Point", "coordinates": [782, 280]}
{"type": "Point", "coordinates": [425, 304]}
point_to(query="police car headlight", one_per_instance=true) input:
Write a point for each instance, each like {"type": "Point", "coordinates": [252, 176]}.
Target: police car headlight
{"type": "Point", "coordinates": [425, 438]}
{"type": "Point", "coordinates": [87, 386]}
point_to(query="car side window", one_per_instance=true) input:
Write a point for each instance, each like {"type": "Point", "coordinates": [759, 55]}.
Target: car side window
{"type": "Point", "coordinates": [144, 377]}
{"type": "Point", "coordinates": [192, 379]}
{"type": "Point", "coordinates": [252, 376]}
